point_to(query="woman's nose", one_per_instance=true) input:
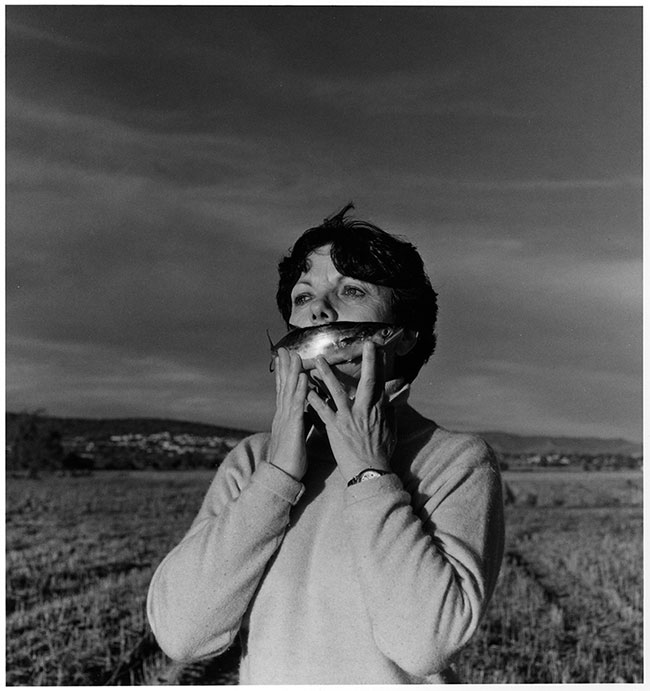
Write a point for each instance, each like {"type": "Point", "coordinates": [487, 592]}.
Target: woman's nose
{"type": "Point", "coordinates": [322, 312]}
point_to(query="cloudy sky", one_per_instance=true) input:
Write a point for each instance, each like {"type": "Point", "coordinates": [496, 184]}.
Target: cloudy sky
{"type": "Point", "coordinates": [161, 160]}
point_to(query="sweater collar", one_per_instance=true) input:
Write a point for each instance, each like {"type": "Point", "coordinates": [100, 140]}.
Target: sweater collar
{"type": "Point", "coordinates": [398, 391]}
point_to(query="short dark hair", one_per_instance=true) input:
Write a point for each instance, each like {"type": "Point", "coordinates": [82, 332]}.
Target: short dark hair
{"type": "Point", "coordinates": [363, 251]}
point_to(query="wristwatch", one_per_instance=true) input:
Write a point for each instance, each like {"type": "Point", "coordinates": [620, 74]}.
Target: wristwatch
{"type": "Point", "coordinates": [367, 474]}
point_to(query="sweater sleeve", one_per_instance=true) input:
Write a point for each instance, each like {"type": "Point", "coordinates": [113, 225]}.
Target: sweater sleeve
{"type": "Point", "coordinates": [201, 590]}
{"type": "Point", "coordinates": [427, 575]}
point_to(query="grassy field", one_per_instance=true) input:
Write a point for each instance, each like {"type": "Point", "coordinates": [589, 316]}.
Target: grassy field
{"type": "Point", "coordinates": [81, 552]}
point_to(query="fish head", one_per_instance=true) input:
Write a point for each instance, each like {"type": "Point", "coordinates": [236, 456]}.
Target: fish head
{"type": "Point", "coordinates": [386, 334]}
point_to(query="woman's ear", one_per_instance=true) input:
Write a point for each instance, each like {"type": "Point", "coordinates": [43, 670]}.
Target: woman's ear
{"type": "Point", "coordinates": [407, 342]}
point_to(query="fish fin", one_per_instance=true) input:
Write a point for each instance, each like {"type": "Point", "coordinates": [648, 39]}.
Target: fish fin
{"type": "Point", "coordinates": [271, 364]}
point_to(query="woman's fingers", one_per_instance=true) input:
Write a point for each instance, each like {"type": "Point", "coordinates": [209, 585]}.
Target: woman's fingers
{"type": "Point", "coordinates": [371, 380]}
{"type": "Point", "coordinates": [295, 367]}
{"type": "Point", "coordinates": [336, 389]}
{"type": "Point", "coordinates": [288, 367]}
{"type": "Point", "coordinates": [290, 382]}
{"type": "Point", "coordinates": [324, 412]}
{"type": "Point", "coordinates": [302, 385]}
{"type": "Point", "coordinates": [279, 373]}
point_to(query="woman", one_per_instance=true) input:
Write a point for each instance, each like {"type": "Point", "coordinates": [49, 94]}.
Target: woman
{"type": "Point", "coordinates": [360, 549]}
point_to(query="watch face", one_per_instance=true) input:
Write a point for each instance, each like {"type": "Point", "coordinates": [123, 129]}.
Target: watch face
{"type": "Point", "coordinates": [369, 474]}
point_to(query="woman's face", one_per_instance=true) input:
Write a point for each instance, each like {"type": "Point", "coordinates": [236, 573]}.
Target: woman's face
{"type": "Point", "coordinates": [323, 295]}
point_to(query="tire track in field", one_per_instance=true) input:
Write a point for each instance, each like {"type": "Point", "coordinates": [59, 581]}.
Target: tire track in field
{"type": "Point", "coordinates": [32, 615]}
{"type": "Point", "coordinates": [561, 593]}
{"type": "Point", "coordinates": [145, 660]}
{"type": "Point", "coordinates": [554, 595]}
{"type": "Point", "coordinates": [618, 629]}
{"type": "Point", "coordinates": [25, 593]}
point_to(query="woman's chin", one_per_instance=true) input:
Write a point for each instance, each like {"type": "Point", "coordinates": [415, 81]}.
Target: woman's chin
{"type": "Point", "coordinates": [348, 371]}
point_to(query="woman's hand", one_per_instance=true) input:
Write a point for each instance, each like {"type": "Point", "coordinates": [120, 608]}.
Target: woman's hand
{"type": "Point", "coordinates": [287, 450]}
{"type": "Point", "coordinates": [361, 431]}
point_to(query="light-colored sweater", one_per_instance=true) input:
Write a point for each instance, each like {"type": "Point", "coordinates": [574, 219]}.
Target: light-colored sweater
{"type": "Point", "coordinates": [382, 582]}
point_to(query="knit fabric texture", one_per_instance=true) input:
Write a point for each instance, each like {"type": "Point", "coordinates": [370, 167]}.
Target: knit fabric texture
{"type": "Point", "coordinates": [382, 582]}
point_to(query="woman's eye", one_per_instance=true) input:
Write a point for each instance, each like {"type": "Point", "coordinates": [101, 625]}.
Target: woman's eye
{"type": "Point", "coordinates": [353, 291]}
{"type": "Point", "coordinates": [301, 299]}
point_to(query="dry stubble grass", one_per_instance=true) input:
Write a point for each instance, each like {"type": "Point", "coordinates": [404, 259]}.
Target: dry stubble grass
{"type": "Point", "coordinates": [81, 552]}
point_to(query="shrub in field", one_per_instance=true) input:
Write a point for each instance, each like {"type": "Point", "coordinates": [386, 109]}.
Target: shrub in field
{"type": "Point", "coordinates": [34, 444]}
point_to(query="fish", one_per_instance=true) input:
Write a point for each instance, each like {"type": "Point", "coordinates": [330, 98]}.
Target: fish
{"type": "Point", "coordinates": [337, 342]}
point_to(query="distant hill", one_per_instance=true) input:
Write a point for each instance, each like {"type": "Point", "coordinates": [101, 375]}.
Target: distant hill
{"type": "Point", "coordinates": [516, 444]}
{"type": "Point", "coordinates": [103, 428]}
{"type": "Point", "coordinates": [502, 442]}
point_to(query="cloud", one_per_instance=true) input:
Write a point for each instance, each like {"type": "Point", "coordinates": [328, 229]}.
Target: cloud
{"type": "Point", "coordinates": [526, 399]}
{"type": "Point", "coordinates": [251, 187]}
{"type": "Point", "coordinates": [74, 379]}
{"type": "Point", "coordinates": [546, 185]}
{"type": "Point", "coordinates": [402, 93]}
{"type": "Point", "coordinates": [103, 145]}
{"type": "Point", "coordinates": [534, 340]}
{"type": "Point", "coordinates": [566, 308]}
{"type": "Point", "coordinates": [136, 262]}
{"type": "Point", "coordinates": [160, 160]}
{"type": "Point", "coordinates": [18, 29]}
